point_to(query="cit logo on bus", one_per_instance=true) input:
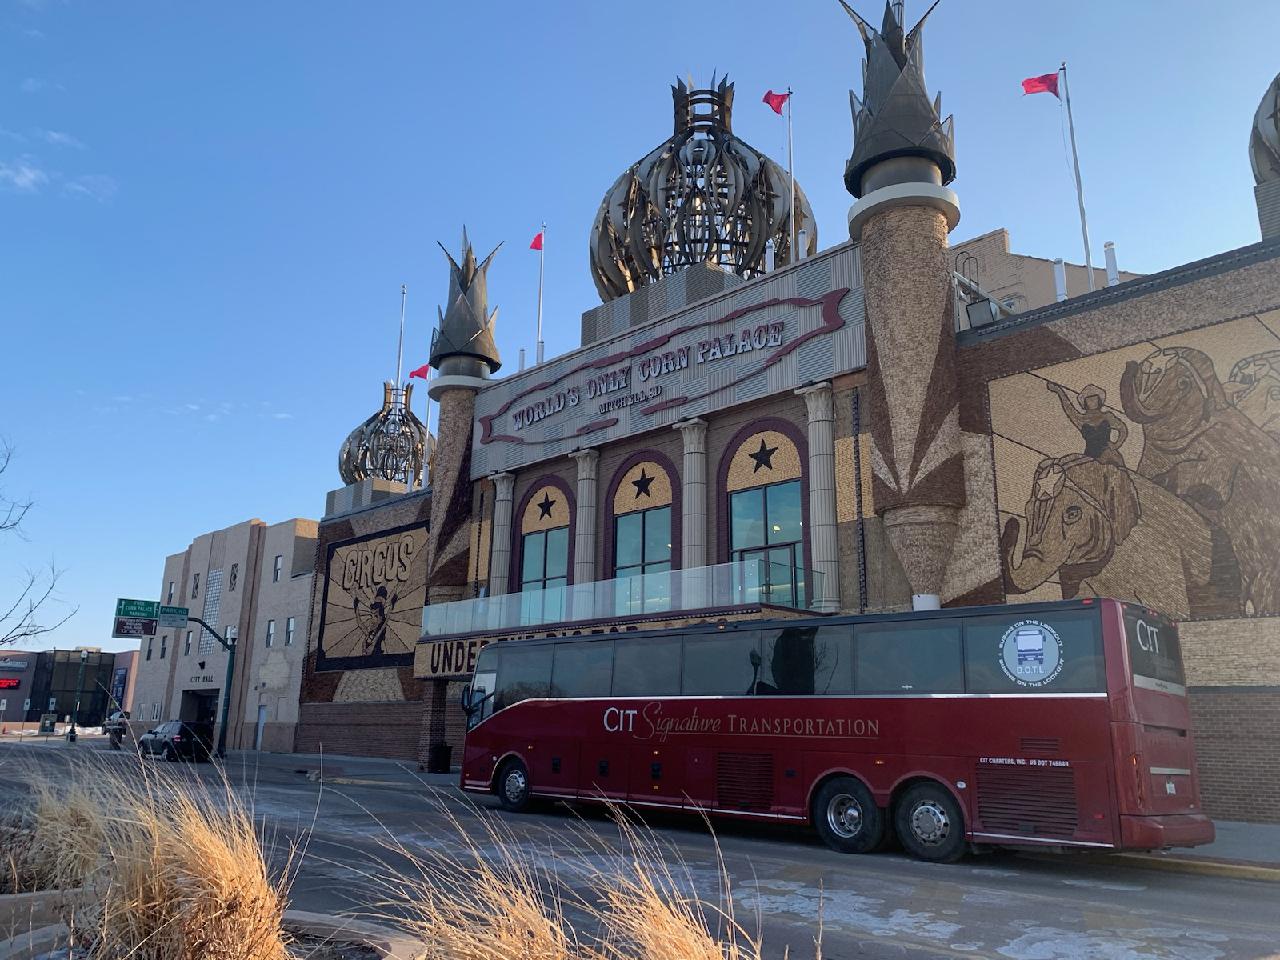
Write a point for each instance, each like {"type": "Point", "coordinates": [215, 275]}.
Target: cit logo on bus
{"type": "Point", "coordinates": [1031, 653]}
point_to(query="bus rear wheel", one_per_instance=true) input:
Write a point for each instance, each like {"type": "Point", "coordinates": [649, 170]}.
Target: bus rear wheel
{"type": "Point", "coordinates": [930, 824]}
{"type": "Point", "coordinates": [513, 786]}
{"type": "Point", "coordinates": [846, 816]}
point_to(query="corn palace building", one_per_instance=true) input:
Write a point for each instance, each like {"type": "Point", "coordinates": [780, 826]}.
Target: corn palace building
{"type": "Point", "coordinates": [756, 426]}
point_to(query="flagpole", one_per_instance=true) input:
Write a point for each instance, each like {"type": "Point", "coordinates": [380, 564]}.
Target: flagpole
{"type": "Point", "coordinates": [791, 170]}
{"type": "Point", "coordinates": [404, 292]}
{"type": "Point", "coordinates": [542, 258]}
{"type": "Point", "coordinates": [426, 447]}
{"type": "Point", "coordinates": [1075, 156]}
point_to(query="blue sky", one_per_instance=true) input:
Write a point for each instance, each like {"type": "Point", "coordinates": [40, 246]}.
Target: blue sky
{"type": "Point", "coordinates": [206, 211]}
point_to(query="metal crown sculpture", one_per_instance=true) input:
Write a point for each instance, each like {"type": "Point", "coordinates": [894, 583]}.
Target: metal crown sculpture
{"type": "Point", "coordinates": [703, 196]}
{"type": "Point", "coordinates": [1264, 141]}
{"type": "Point", "coordinates": [463, 343]}
{"type": "Point", "coordinates": [895, 118]}
{"type": "Point", "coordinates": [389, 445]}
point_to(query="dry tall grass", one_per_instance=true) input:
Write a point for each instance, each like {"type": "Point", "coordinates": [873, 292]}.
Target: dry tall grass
{"type": "Point", "coordinates": [491, 896]}
{"type": "Point", "coordinates": [175, 869]}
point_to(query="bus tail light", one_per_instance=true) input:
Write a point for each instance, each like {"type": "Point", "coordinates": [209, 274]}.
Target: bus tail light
{"type": "Point", "coordinates": [1136, 761]}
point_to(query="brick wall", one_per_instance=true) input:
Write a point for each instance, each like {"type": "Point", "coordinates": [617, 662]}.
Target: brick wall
{"type": "Point", "coordinates": [362, 729]}
{"type": "Point", "coordinates": [1237, 731]}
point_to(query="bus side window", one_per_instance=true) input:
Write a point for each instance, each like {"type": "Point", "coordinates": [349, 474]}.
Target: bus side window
{"type": "Point", "coordinates": [720, 664]}
{"type": "Point", "coordinates": [1060, 654]}
{"type": "Point", "coordinates": [646, 667]}
{"type": "Point", "coordinates": [800, 661]}
{"type": "Point", "coordinates": [582, 668]}
{"type": "Point", "coordinates": [919, 657]}
{"type": "Point", "coordinates": [524, 672]}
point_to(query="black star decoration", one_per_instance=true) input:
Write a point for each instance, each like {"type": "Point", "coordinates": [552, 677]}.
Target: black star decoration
{"type": "Point", "coordinates": [642, 484]}
{"type": "Point", "coordinates": [763, 457]}
{"type": "Point", "coordinates": [544, 507]}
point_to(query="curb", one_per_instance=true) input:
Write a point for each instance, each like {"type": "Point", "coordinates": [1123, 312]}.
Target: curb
{"type": "Point", "coordinates": [1234, 870]}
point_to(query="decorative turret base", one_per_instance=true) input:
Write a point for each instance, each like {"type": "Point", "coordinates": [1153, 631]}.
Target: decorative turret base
{"type": "Point", "coordinates": [903, 195]}
{"type": "Point", "coordinates": [922, 537]}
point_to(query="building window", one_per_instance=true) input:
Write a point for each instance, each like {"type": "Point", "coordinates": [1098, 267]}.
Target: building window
{"type": "Point", "coordinates": [150, 640]}
{"type": "Point", "coordinates": [155, 711]}
{"type": "Point", "coordinates": [544, 554]}
{"type": "Point", "coordinates": [169, 600]}
{"type": "Point", "coordinates": [277, 568]}
{"type": "Point", "coordinates": [233, 577]}
{"type": "Point", "coordinates": [288, 632]}
{"type": "Point", "coordinates": [186, 645]}
{"type": "Point", "coordinates": [164, 645]}
{"type": "Point", "coordinates": [767, 532]}
{"type": "Point", "coordinates": [642, 548]}
{"type": "Point", "coordinates": [195, 584]}
{"type": "Point", "coordinates": [271, 632]}
{"type": "Point", "coordinates": [212, 604]}
{"type": "Point", "coordinates": [141, 711]}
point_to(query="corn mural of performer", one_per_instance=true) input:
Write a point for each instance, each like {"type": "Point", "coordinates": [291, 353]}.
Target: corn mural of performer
{"type": "Point", "coordinates": [1172, 501]}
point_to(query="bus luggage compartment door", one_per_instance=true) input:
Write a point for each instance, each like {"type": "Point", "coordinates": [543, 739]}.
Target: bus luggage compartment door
{"type": "Point", "coordinates": [657, 775]}
{"type": "Point", "coordinates": [603, 770]}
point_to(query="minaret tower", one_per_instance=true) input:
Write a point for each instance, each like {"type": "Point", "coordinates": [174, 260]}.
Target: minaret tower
{"type": "Point", "coordinates": [464, 354]}
{"type": "Point", "coordinates": [903, 158]}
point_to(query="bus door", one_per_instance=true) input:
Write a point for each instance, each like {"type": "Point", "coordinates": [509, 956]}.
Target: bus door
{"type": "Point", "coordinates": [1154, 745]}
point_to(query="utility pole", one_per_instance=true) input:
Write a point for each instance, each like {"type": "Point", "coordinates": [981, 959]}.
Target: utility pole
{"type": "Point", "coordinates": [230, 647]}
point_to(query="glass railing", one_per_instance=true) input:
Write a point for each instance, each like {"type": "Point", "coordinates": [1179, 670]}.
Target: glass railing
{"type": "Point", "coordinates": [740, 583]}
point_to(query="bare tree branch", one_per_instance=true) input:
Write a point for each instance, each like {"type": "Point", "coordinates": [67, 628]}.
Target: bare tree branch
{"type": "Point", "coordinates": [12, 512]}
{"type": "Point", "coordinates": [23, 619]}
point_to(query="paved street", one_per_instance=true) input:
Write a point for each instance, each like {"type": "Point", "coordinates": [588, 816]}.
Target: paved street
{"type": "Point", "coordinates": [884, 905]}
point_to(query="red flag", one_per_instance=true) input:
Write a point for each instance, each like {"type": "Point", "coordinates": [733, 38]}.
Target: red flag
{"type": "Point", "coordinates": [536, 244]}
{"type": "Point", "coordinates": [1045, 84]}
{"type": "Point", "coordinates": [775, 101]}
{"type": "Point", "coordinates": [423, 371]}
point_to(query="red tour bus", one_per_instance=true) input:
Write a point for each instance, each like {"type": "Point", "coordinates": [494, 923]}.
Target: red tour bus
{"type": "Point", "coordinates": [1052, 724]}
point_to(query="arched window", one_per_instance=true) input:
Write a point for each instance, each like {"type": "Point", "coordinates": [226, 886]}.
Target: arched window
{"type": "Point", "coordinates": [764, 483]}
{"type": "Point", "coordinates": [544, 555]}
{"type": "Point", "coordinates": [644, 521]}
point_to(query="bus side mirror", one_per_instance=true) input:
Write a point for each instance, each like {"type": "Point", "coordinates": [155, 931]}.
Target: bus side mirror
{"type": "Point", "coordinates": [466, 698]}
{"type": "Point", "coordinates": [755, 659]}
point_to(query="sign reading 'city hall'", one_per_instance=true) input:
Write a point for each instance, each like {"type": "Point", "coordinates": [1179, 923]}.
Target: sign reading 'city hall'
{"type": "Point", "coordinates": [705, 358]}
{"type": "Point", "coordinates": [374, 589]}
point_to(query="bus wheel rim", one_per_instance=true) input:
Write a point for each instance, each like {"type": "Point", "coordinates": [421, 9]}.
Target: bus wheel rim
{"type": "Point", "coordinates": [930, 823]}
{"type": "Point", "coordinates": [844, 816]}
{"type": "Point", "coordinates": [515, 784]}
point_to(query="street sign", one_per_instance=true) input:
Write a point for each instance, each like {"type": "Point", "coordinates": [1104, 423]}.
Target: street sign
{"type": "Point", "coordinates": [138, 608]}
{"type": "Point", "coordinates": [135, 618]}
{"type": "Point", "coordinates": [174, 618]}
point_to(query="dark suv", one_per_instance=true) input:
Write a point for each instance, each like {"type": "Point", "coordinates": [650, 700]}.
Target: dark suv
{"type": "Point", "coordinates": [178, 740]}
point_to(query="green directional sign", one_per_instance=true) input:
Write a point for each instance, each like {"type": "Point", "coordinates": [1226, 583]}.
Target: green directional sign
{"type": "Point", "coordinates": [173, 618]}
{"type": "Point", "coordinates": [135, 618]}
{"type": "Point", "coordinates": [149, 609]}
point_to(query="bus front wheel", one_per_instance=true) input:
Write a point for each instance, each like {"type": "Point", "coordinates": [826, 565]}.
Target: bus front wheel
{"type": "Point", "coordinates": [513, 786]}
{"type": "Point", "coordinates": [930, 823]}
{"type": "Point", "coordinates": [846, 816]}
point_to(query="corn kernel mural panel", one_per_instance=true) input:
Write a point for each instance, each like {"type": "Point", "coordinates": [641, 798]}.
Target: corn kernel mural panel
{"type": "Point", "coordinates": [1148, 473]}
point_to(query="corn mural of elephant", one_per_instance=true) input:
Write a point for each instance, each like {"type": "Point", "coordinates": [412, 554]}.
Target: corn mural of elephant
{"type": "Point", "coordinates": [1213, 456]}
{"type": "Point", "coordinates": [1107, 532]}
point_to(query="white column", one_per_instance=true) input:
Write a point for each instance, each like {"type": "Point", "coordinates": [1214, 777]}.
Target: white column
{"type": "Point", "coordinates": [500, 541]}
{"type": "Point", "coordinates": [693, 494]}
{"type": "Point", "coordinates": [822, 496]}
{"type": "Point", "coordinates": [584, 538]}
{"type": "Point", "coordinates": [695, 586]}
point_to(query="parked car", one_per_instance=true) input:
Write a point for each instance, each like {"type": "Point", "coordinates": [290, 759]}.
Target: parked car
{"type": "Point", "coordinates": [178, 740]}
